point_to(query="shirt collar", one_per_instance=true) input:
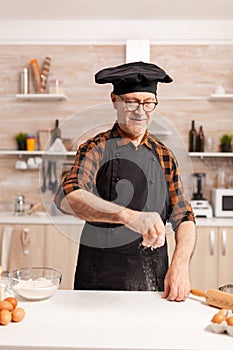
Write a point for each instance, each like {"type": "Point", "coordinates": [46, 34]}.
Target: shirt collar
{"type": "Point", "coordinates": [124, 138]}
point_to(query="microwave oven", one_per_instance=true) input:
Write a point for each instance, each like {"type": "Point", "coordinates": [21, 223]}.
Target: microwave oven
{"type": "Point", "coordinates": [222, 201]}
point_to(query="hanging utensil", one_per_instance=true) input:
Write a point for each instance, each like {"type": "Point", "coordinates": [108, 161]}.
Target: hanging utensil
{"type": "Point", "coordinates": [55, 177]}
{"type": "Point", "coordinates": [49, 172]}
{"type": "Point", "coordinates": [43, 187]}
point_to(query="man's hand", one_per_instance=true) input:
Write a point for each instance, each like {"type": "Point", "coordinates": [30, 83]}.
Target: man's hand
{"type": "Point", "coordinates": [150, 226]}
{"type": "Point", "coordinates": [177, 283]}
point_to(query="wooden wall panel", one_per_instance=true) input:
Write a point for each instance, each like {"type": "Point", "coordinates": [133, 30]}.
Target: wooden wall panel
{"type": "Point", "coordinates": [196, 71]}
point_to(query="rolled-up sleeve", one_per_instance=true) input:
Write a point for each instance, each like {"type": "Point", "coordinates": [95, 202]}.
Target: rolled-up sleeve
{"type": "Point", "coordinates": [180, 210]}
{"type": "Point", "coordinates": [83, 173]}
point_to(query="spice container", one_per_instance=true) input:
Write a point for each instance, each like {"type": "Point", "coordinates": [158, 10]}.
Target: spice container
{"type": "Point", "coordinates": [24, 81]}
{"type": "Point", "coordinates": [56, 86]}
{"type": "Point", "coordinates": [30, 141]}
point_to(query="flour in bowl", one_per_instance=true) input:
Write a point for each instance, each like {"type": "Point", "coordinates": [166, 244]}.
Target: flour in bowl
{"type": "Point", "coordinates": [41, 288]}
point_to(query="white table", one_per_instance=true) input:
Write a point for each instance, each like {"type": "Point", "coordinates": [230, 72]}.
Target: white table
{"type": "Point", "coordinates": [113, 320]}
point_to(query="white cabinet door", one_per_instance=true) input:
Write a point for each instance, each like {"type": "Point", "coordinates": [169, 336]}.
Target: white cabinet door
{"type": "Point", "coordinates": [204, 263]}
{"type": "Point", "coordinates": [225, 253]}
{"type": "Point", "coordinates": [61, 252]}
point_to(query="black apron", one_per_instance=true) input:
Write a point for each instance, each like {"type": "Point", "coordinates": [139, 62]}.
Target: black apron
{"type": "Point", "coordinates": [111, 256]}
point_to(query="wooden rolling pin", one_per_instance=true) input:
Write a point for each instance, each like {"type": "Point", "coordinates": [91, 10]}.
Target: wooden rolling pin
{"type": "Point", "coordinates": [0, 278]}
{"type": "Point", "coordinates": [216, 298]}
{"type": "Point", "coordinates": [34, 207]}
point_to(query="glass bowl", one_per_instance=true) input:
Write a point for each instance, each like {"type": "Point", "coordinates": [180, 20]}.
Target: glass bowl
{"type": "Point", "coordinates": [35, 283]}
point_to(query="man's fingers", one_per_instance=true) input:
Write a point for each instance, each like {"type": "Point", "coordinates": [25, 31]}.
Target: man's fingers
{"type": "Point", "coordinates": [159, 242]}
{"type": "Point", "coordinates": [166, 290]}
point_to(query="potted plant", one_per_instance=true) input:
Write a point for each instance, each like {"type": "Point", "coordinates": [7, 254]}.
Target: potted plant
{"type": "Point", "coordinates": [21, 141]}
{"type": "Point", "coordinates": [226, 143]}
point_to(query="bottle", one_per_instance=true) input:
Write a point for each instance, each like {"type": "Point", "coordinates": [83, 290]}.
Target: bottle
{"type": "Point", "coordinates": [193, 138]}
{"type": "Point", "coordinates": [24, 81]}
{"type": "Point", "coordinates": [56, 133]}
{"type": "Point", "coordinates": [35, 68]}
{"type": "Point", "coordinates": [57, 130]}
{"type": "Point", "coordinates": [200, 140]}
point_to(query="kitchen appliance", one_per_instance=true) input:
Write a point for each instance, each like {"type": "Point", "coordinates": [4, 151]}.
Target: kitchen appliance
{"type": "Point", "coordinates": [222, 200]}
{"type": "Point", "coordinates": [19, 204]}
{"type": "Point", "coordinates": [200, 205]}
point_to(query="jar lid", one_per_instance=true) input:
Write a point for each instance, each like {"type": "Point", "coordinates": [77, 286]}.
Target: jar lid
{"type": "Point", "coordinates": [30, 136]}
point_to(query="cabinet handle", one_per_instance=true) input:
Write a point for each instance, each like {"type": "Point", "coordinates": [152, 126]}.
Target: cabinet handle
{"type": "Point", "coordinates": [224, 241]}
{"type": "Point", "coordinates": [25, 240]}
{"type": "Point", "coordinates": [212, 241]}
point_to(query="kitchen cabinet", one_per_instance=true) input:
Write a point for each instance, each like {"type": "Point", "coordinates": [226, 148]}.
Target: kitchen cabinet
{"type": "Point", "coordinates": [61, 252]}
{"type": "Point", "coordinates": [212, 262]}
{"type": "Point", "coordinates": [41, 245]}
{"type": "Point", "coordinates": [22, 246]}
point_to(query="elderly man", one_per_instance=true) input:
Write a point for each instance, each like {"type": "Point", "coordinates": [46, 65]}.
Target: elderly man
{"type": "Point", "coordinates": [125, 184]}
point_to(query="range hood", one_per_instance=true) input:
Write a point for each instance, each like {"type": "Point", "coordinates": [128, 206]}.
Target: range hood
{"type": "Point", "coordinates": [137, 50]}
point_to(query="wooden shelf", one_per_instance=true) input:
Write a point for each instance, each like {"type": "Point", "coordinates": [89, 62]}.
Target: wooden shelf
{"type": "Point", "coordinates": [35, 153]}
{"type": "Point", "coordinates": [211, 154]}
{"type": "Point", "coordinates": [212, 97]}
{"type": "Point", "coordinates": [41, 97]}
{"type": "Point", "coordinates": [222, 97]}
{"type": "Point", "coordinates": [182, 98]}
{"type": "Point", "coordinates": [160, 132]}
{"type": "Point", "coordinates": [57, 97]}
{"type": "Point", "coordinates": [73, 153]}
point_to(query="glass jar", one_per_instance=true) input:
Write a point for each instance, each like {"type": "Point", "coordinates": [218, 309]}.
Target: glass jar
{"type": "Point", "coordinates": [56, 86]}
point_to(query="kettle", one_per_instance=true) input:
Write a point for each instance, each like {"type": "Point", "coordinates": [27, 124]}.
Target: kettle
{"type": "Point", "coordinates": [19, 204]}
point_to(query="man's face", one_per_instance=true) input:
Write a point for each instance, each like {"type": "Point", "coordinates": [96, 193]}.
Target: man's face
{"type": "Point", "coordinates": [132, 120]}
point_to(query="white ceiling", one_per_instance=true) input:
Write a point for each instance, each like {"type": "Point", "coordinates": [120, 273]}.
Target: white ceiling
{"type": "Point", "coordinates": [25, 10]}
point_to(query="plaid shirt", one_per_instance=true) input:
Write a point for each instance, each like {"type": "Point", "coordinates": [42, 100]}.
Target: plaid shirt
{"type": "Point", "coordinates": [88, 161]}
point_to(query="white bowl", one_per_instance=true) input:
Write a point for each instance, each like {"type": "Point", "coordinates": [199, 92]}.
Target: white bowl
{"type": "Point", "coordinates": [35, 283]}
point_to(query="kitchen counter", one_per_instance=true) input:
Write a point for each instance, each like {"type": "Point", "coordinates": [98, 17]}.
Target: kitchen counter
{"type": "Point", "coordinates": [215, 222]}
{"type": "Point", "coordinates": [113, 320]}
{"type": "Point", "coordinates": [39, 218]}
{"type": "Point", "coordinates": [42, 218]}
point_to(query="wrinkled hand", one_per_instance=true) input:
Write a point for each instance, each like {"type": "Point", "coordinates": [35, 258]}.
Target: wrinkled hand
{"type": "Point", "coordinates": [151, 227]}
{"type": "Point", "coordinates": [177, 283]}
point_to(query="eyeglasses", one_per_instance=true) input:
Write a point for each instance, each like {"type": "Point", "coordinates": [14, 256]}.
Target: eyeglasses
{"type": "Point", "coordinates": [133, 106]}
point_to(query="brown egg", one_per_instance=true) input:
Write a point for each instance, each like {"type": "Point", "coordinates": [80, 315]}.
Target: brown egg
{"type": "Point", "coordinates": [230, 321]}
{"type": "Point", "coordinates": [223, 311]}
{"type": "Point", "coordinates": [5, 317]}
{"type": "Point", "coordinates": [18, 314]}
{"type": "Point", "coordinates": [6, 305]}
{"type": "Point", "coordinates": [13, 301]}
{"type": "Point", "coordinates": [219, 317]}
